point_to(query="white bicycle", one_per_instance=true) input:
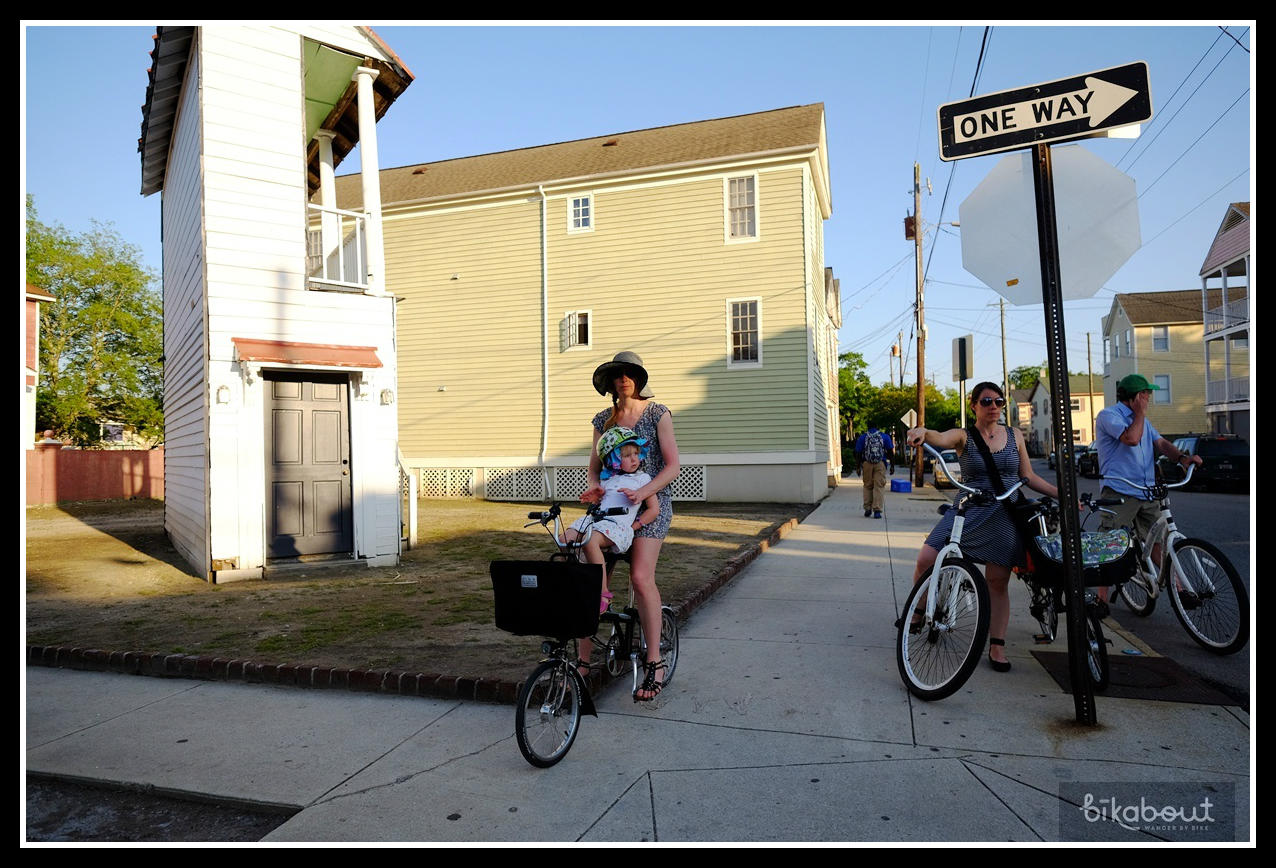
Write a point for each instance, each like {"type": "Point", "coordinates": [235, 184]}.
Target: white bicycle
{"type": "Point", "coordinates": [1205, 590]}
{"type": "Point", "coordinates": [945, 621]}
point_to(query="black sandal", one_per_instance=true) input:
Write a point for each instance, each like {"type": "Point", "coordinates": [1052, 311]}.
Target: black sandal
{"type": "Point", "coordinates": [649, 683]}
{"type": "Point", "coordinates": [997, 665]}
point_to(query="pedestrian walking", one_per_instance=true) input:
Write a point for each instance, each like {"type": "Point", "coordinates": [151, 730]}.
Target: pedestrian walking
{"type": "Point", "coordinates": [872, 449]}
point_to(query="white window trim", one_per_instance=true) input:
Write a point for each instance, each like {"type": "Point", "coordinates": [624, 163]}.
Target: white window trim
{"type": "Point", "coordinates": [593, 214]}
{"type": "Point", "coordinates": [1155, 329]}
{"type": "Point", "coordinates": [570, 344]}
{"type": "Point", "coordinates": [726, 210]}
{"type": "Point", "coordinates": [1168, 391]}
{"type": "Point", "coordinates": [731, 363]}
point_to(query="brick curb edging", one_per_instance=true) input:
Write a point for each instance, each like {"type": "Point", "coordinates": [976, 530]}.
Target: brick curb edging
{"type": "Point", "coordinates": [432, 685]}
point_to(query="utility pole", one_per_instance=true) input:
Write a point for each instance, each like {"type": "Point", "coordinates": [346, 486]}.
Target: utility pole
{"type": "Point", "coordinates": [899, 351]}
{"type": "Point", "coordinates": [1089, 363]}
{"type": "Point", "coordinates": [1005, 377]}
{"type": "Point", "coordinates": [919, 466]}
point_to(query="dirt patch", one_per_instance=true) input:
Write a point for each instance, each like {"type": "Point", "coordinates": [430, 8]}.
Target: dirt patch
{"type": "Point", "coordinates": [104, 575]}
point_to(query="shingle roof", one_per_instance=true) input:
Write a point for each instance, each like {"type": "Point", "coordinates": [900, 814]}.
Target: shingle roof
{"type": "Point", "coordinates": [1175, 306]}
{"type": "Point", "coordinates": [796, 129]}
{"type": "Point", "coordinates": [1231, 242]}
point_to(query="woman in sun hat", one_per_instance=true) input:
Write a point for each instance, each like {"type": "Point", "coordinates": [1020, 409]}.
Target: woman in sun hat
{"type": "Point", "coordinates": [625, 379]}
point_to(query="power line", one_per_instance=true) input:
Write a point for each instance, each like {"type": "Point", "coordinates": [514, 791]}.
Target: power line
{"type": "Point", "coordinates": [1234, 39]}
{"type": "Point", "coordinates": [1194, 143]}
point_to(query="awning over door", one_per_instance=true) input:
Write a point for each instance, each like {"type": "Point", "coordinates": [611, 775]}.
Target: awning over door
{"type": "Point", "coordinates": [293, 353]}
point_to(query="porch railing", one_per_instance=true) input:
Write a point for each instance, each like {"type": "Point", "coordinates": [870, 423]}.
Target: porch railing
{"type": "Point", "coordinates": [1225, 316]}
{"type": "Point", "coordinates": [1225, 391]}
{"type": "Point", "coordinates": [344, 267]}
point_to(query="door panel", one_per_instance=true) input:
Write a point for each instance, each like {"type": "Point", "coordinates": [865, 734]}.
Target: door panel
{"type": "Point", "coordinates": [308, 461]}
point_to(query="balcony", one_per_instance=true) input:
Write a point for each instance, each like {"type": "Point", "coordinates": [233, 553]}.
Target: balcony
{"type": "Point", "coordinates": [1234, 313]}
{"type": "Point", "coordinates": [1227, 391]}
{"type": "Point", "coordinates": [337, 250]}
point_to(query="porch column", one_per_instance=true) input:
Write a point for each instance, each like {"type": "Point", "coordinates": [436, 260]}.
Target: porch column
{"type": "Point", "coordinates": [370, 172]}
{"type": "Point", "coordinates": [330, 227]}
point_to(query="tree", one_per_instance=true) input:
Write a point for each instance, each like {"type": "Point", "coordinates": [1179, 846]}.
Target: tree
{"type": "Point", "coordinates": [101, 339]}
{"type": "Point", "coordinates": [1024, 376]}
{"type": "Point", "coordinates": [853, 392]}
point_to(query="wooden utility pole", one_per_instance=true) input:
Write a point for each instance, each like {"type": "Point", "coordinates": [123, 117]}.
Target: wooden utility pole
{"type": "Point", "coordinates": [1089, 363]}
{"type": "Point", "coordinates": [919, 466]}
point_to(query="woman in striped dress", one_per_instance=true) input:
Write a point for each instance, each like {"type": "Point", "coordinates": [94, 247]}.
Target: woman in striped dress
{"type": "Point", "coordinates": [988, 535]}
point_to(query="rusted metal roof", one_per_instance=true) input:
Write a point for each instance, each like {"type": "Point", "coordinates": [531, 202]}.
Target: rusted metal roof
{"type": "Point", "coordinates": [169, 59]}
{"type": "Point", "coordinates": [293, 353]}
{"type": "Point", "coordinates": [1231, 243]}
{"type": "Point", "coordinates": [797, 129]}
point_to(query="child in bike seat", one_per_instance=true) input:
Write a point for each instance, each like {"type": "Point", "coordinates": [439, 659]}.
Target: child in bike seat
{"type": "Point", "coordinates": [622, 452]}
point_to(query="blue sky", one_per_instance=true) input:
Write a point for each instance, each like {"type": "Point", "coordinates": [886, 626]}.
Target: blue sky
{"type": "Point", "coordinates": [481, 89]}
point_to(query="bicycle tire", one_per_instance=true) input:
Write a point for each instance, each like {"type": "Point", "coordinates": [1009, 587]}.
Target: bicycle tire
{"type": "Point", "coordinates": [668, 645]}
{"type": "Point", "coordinates": [547, 717]}
{"type": "Point", "coordinates": [615, 651]}
{"type": "Point", "coordinates": [1096, 650]}
{"type": "Point", "coordinates": [936, 660]}
{"type": "Point", "coordinates": [1218, 619]}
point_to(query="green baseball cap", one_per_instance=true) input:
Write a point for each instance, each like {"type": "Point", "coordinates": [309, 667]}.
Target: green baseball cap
{"type": "Point", "coordinates": [1135, 383]}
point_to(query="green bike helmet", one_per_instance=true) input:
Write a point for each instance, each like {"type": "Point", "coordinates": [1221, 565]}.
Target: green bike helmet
{"type": "Point", "coordinates": [609, 448]}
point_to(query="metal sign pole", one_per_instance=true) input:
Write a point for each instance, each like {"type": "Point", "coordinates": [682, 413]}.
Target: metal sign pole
{"type": "Point", "coordinates": [1061, 413]}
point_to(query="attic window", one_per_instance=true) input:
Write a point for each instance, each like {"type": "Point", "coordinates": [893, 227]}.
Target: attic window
{"type": "Point", "coordinates": [611, 143]}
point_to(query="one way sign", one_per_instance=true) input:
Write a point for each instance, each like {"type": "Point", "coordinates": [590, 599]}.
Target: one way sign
{"type": "Point", "coordinates": [1069, 108]}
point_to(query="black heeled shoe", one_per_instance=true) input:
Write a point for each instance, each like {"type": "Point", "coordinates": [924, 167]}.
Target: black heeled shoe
{"type": "Point", "coordinates": [997, 665]}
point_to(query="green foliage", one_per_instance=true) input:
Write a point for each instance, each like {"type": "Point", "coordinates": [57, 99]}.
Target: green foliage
{"type": "Point", "coordinates": [853, 392]}
{"type": "Point", "coordinates": [1024, 376]}
{"type": "Point", "coordinates": [101, 339]}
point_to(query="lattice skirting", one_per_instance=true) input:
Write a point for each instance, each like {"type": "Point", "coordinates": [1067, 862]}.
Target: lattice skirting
{"type": "Point", "coordinates": [529, 483]}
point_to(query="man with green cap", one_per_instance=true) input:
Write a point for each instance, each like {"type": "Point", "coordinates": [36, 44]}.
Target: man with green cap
{"type": "Point", "coordinates": [1128, 446]}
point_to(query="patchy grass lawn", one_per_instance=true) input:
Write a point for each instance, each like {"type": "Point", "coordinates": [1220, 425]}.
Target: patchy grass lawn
{"type": "Point", "coordinates": [103, 575]}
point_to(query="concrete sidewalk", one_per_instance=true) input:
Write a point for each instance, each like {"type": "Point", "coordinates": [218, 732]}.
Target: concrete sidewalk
{"type": "Point", "coordinates": [786, 721]}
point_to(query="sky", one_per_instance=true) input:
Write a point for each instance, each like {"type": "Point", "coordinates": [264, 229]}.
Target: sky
{"type": "Point", "coordinates": [487, 88]}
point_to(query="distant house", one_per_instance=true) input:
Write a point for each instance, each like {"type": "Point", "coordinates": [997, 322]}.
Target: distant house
{"type": "Point", "coordinates": [699, 246]}
{"type": "Point", "coordinates": [33, 297]}
{"type": "Point", "coordinates": [280, 360]}
{"type": "Point", "coordinates": [1225, 301]}
{"type": "Point", "coordinates": [1019, 412]}
{"type": "Point", "coordinates": [1158, 335]}
{"type": "Point", "coordinates": [1086, 402]}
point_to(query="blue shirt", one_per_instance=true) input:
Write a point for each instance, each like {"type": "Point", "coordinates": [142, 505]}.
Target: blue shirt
{"type": "Point", "coordinates": [887, 446]}
{"type": "Point", "coordinates": [1116, 458]}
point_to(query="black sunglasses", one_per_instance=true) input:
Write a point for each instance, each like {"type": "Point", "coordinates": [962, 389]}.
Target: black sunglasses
{"type": "Point", "coordinates": [988, 402]}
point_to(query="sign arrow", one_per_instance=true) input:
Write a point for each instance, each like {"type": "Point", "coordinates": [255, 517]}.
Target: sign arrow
{"type": "Point", "coordinates": [1096, 102]}
{"type": "Point", "coordinates": [1054, 111]}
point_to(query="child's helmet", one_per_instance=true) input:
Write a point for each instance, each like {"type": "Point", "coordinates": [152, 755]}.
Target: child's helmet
{"type": "Point", "coordinates": [609, 448]}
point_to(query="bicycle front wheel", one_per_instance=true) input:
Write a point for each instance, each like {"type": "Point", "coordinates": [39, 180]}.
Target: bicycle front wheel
{"type": "Point", "coordinates": [548, 714]}
{"type": "Point", "coordinates": [937, 655]}
{"type": "Point", "coordinates": [1208, 596]}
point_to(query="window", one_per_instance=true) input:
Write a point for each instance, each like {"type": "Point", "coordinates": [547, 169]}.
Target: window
{"type": "Point", "coordinates": [1107, 351]}
{"type": "Point", "coordinates": [1127, 342]}
{"type": "Point", "coordinates": [744, 322]}
{"type": "Point", "coordinates": [580, 214]}
{"type": "Point", "coordinates": [1240, 341]}
{"type": "Point", "coordinates": [742, 208]}
{"type": "Point", "coordinates": [1076, 405]}
{"type": "Point", "coordinates": [1161, 339]}
{"type": "Point", "coordinates": [576, 329]}
{"type": "Point", "coordinates": [1162, 393]}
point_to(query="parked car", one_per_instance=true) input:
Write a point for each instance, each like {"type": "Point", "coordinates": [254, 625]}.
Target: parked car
{"type": "Point", "coordinates": [1224, 459]}
{"type": "Point", "coordinates": [942, 477]}
{"type": "Point", "coordinates": [1088, 463]}
{"type": "Point", "coordinates": [1053, 460]}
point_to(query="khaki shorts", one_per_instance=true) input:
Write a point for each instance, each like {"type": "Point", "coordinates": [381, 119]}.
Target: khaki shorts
{"type": "Point", "coordinates": [1135, 513]}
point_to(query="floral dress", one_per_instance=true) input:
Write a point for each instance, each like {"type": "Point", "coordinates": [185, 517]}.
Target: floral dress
{"type": "Point", "coordinates": [646, 428]}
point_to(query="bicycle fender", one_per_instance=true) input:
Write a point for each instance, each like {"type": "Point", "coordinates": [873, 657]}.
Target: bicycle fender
{"type": "Point", "coordinates": [586, 700]}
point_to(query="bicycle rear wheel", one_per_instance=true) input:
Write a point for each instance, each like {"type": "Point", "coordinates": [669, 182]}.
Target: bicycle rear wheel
{"type": "Point", "coordinates": [1208, 596]}
{"type": "Point", "coordinates": [668, 645]}
{"type": "Point", "coordinates": [1096, 650]}
{"type": "Point", "coordinates": [548, 714]}
{"type": "Point", "coordinates": [936, 657]}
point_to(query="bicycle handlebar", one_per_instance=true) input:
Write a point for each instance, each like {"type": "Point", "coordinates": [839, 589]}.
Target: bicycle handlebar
{"type": "Point", "coordinates": [1155, 490]}
{"type": "Point", "coordinates": [974, 491]}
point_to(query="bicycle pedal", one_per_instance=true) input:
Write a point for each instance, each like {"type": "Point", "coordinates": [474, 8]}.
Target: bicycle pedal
{"type": "Point", "coordinates": [1041, 639]}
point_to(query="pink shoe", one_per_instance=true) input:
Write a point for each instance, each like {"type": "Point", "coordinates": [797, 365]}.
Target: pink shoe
{"type": "Point", "coordinates": [605, 602]}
